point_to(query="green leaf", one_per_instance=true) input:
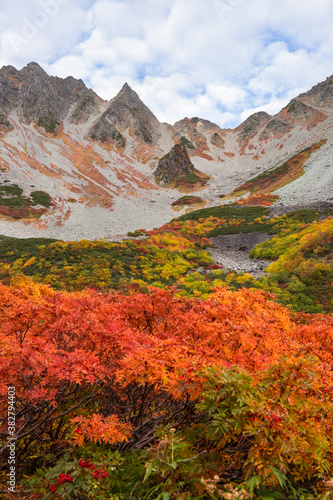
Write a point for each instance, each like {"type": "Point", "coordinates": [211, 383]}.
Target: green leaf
{"type": "Point", "coordinates": [279, 475]}
{"type": "Point", "coordinates": [70, 488]}
{"type": "Point", "coordinates": [163, 496]}
{"type": "Point", "coordinates": [153, 490]}
{"type": "Point", "coordinates": [149, 470]}
{"type": "Point", "coordinates": [271, 494]}
{"type": "Point", "coordinates": [253, 483]}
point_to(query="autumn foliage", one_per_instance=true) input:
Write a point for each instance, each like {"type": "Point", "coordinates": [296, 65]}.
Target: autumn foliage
{"type": "Point", "coordinates": [235, 380]}
{"type": "Point", "coordinates": [265, 200]}
{"type": "Point", "coordinates": [144, 370]}
{"type": "Point", "coordinates": [271, 180]}
{"type": "Point", "coordinates": [177, 254]}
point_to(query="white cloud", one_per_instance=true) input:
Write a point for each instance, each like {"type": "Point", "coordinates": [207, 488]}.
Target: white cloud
{"type": "Point", "coordinates": [170, 100]}
{"type": "Point", "coordinates": [282, 69]}
{"type": "Point", "coordinates": [226, 95]}
{"type": "Point", "coordinates": [272, 107]}
{"type": "Point", "coordinates": [217, 59]}
{"type": "Point", "coordinates": [40, 30]}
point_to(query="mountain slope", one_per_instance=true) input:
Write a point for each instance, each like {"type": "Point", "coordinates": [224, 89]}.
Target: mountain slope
{"type": "Point", "coordinates": [98, 161]}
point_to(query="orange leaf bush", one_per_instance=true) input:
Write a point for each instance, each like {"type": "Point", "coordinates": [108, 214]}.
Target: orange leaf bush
{"type": "Point", "coordinates": [121, 366]}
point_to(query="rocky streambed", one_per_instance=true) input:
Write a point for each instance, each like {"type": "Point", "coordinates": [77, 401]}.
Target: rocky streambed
{"type": "Point", "coordinates": [232, 251]}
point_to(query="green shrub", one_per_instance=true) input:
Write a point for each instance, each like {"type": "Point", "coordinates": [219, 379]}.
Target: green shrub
{"type": "Point", "coordinates": [48, 122]}
{"type": "Point", "coordinates": [41, 198]}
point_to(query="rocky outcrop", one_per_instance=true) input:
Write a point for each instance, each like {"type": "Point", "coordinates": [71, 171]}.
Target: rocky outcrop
{"type": "Point", "coordinates": [251, 126]}
{"type": "Point", "coordinates": [105, 132]}
{"type": "Point", "coordinates": [176, 169]}
{"type": "Point", "coordinates": [299, 113]}
{"type": "Point", "coordinates": [99, 191]}
{"type": "Point", "coordinates": [47, 100]}
{"type": "Point", "coordinates": [173, 165]}
{"type": "Point", "coordinates": [296, 113]}
{"type": "Point", "coordinates": [320, 95]}
{"type": "Point", "coordinates": [275, 128]}
{"type": "Point", "coordinates": [9, 89]}
{"type": "Point", "coordinates": [299, 110]}
{"type": "Point", "coordinates": [127, 112]}
{"type": "Point", "coordinates": [185, 125]}
{"type": "Point", "coordinates": [217, 140]}
{"type": "Point", "coordinates": [199, 131]}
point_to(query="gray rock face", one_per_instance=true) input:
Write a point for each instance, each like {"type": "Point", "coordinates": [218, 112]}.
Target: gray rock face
{"type": "Point", "coordinates": [217, 140]}
{"type": "Point", "coordinates": [39, 97]}
{"type": "Point", "coordinates": [298, 111]}
{"type": "Point", "coordinates": [200, 131]}
{"type": "Point", "coordinates": [321, 94]}
{"type": "Point", "coordinates": [9, 89]}
{"type": "Point", "coordinates": [232, 251]}
{"type": "Point", "coordinates": [47, 100]}
{"type": "Point", "coordinates": [5, 124]}
{"type": "Point", "coordinates": [105, 132]}
{"type": "Point", "coordinates": [127, 111]}
{"type": "Point", "coordinates": [274, 128]}
{"type": "Point", "coordinates": [84, 108]}
{"type": "Point", "coordinates": [251, 126]}
{"type": "Point", "coordinates": [112, 188]}
{"type": "Point", "coordinates": [185, 125]}
{"type": "Point", "coordinates": [173, 165]}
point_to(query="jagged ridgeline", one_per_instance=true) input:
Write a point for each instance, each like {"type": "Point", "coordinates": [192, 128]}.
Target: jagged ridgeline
{"type": "Point", "coordinates": [43, 99]}
{"type": "Point", "coordinates": [95, 158]}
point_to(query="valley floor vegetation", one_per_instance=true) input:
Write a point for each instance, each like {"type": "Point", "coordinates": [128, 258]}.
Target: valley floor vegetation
{"type": "Point", "coordinates": [143, 370]}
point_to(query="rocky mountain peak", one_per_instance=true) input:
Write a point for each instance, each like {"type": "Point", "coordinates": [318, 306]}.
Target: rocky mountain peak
{"type": "Point", "coordinates": [43, 99]}
{"type": "Point", "coordinates": [251, 126]}
{"type": "Point", "coordinates": [126, 89]}
{"type": "Point", "coordinates": [33, 67]}
{"type": "Point", "coordinates": [320, 95]}
{"type": "Point", "coordinates": [128, 97]}
{"type": "Point", "coordinates": [126, 111]}
{"type": "Point", "coordinates": [203, 124]}
{"type": "Point", "coordinates": [8, 70]}
{"type": "Point", "coordinates": [186, 124]}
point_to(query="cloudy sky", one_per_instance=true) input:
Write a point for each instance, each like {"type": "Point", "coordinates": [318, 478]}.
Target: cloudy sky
{"type": "Point", "coordinates": [217, 59]}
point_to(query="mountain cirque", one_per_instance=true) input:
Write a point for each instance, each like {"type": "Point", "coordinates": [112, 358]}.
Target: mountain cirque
{"type": "Point", "coordinates": [102, 162]}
